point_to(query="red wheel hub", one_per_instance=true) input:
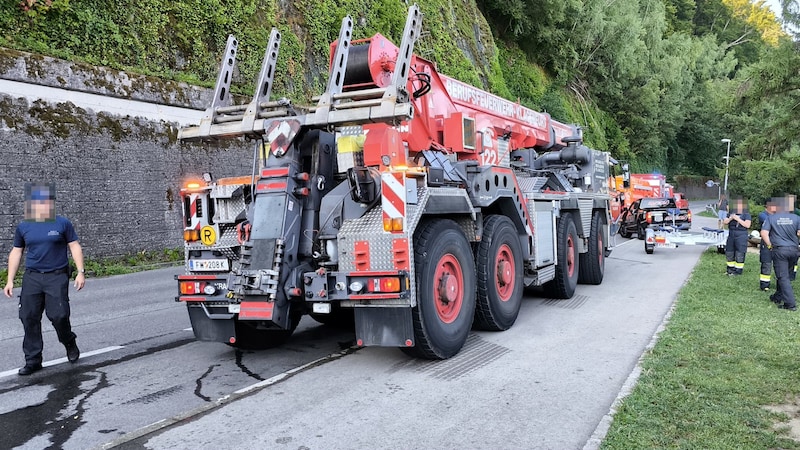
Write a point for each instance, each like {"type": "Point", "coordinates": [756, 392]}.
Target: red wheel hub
{"type": "Point", "coordinates": [570, 256]}
{"type": "Point", "coordinates": [449, 289]}
{"type": "Point", "coordinates": [600, 254]}
{"type": "Point", "coordinates": [504, 266]}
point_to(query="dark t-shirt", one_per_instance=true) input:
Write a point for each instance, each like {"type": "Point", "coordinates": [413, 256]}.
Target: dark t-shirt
{"type": "Point", "coordinates": [783, 228]}
{"type": "Point", "coordinates": [763, 216]}
{"type": "Point", "coordinates": [736, 226]}
{"type": "Point", "coordinates": [46, 243]}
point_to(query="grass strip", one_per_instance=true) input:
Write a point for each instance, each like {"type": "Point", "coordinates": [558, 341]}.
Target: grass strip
{"type": "Point", "coordinates": [104, 267]}
{"type": "Point", "coordinates": [726, 353]}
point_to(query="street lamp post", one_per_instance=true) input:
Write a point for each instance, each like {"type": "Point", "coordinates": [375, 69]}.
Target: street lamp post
{"type": "Point", "coordinates": [727, 163]}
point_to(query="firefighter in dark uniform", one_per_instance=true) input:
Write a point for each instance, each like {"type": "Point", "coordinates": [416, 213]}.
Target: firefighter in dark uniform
{"type": "Point", "coordinates": [45, 284]}
{"type": "Point", "coordinates": [738, 221]}
{"type": "Point", "coordinates": [781, 236]}
{"type": "Point", "coordinates": [764, 253]}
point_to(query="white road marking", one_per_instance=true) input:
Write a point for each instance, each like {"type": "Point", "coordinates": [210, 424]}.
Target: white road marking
{"type": "Point", "coordinates": [64, 359]}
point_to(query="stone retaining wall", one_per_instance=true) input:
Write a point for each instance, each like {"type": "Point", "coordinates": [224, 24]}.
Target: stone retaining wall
{"type": "Point", "coordinates": [117, 177]}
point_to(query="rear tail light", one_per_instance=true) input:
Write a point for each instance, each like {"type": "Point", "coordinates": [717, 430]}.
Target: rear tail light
{"type": "Point", "coordinates": [689, 216]}
{"type": "Point", "coordinates": [648, 218]}
{"type": "Point", "coordinates": [191, 287]}
{"type": "Point", "coordinates": [391, 284]}
{"type": "Point", "coordinates": [376, 285]}
{"type": "Point", "coordinates": [197, 287]}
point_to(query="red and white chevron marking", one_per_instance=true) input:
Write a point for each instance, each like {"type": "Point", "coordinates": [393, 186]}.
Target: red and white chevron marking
{"type": "Point", "coordinates": [393, 195]}
{"type": "Point", "coordinates": [194, 221]}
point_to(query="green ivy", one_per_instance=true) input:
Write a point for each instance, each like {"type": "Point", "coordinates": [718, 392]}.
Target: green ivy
{"type": "Point", "coordinates": [183, 40]}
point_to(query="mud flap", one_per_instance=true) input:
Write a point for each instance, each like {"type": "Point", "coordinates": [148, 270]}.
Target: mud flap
{"type": "Point", "coordinates": [205, 328]}
{"type": "Point", "coordinates": [384, 327]}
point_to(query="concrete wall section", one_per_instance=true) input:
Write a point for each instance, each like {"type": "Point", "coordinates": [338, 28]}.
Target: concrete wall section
{"type": "Point", "coordinates": [117, 177]}
{"type": "Point", "coordinates": [72, 76]}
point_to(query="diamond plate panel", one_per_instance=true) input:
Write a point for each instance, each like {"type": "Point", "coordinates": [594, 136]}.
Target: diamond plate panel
{"type": "Point", "coordinates": [227, 209]}
{"type": "Point", "coordinates": [225, 243]}
{"type": "Point", "coordinates": [224, 190]}
{"type": "Point", "coordinates": [531, 184]}
{"type": "Point", "coordinates": [352, 130]}
{"type": "Point", "coordinates": [370, 228]}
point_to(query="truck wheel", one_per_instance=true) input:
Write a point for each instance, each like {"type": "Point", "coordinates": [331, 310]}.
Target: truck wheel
{"type": "Point", "coordinates": [445, 287]}
{"type": "Point", "coordinates": [563, 285]}
{"type": "Point", "coordinates": [593, 262]}
{"type": "Point", "coordinates": [499, 270]}
{"type": "Point", "coordinates": [649, 249]}
{"type": "Point", "coordinates": [250, 337]}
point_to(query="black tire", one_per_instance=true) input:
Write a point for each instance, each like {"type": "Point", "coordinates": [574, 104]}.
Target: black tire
{"type": "Point", "coordinates": [623, 228]}
{"type": "Point", "coordinates": [568, 267]}
{"type": "Point", "coordinates": [498, 264]}
{"type": "Point", "coordinates": [624, 232]}
{"type": "Point", "coordinates": [649, 249]}
{"type": "Point", "coordinates": [445, 288]}
{"type": "Point", "coordinates": [640, 232]}
{"type": "Point", "coordinates": [251, 336]}
{"type": "Point", "coordinates": [593, 262]}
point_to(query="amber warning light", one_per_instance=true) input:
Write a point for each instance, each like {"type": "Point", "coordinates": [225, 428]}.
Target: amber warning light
{"type": "Point", "coordinates": [191, 235]}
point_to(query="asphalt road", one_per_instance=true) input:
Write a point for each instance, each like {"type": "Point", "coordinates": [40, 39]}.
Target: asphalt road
{"type": "Point", "coordinates": [549, 382]}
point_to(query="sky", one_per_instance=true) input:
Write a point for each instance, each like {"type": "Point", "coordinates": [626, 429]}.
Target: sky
{"type": "Point", "coordinates": [775, 5]}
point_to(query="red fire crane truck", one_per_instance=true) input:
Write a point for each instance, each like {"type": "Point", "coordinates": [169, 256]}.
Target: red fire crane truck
{"type": "Point", "coordinates": [408, 203]}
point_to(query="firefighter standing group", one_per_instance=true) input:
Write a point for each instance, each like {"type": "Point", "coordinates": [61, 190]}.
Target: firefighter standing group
{"type": "Point", "coordinates": [779, 247]}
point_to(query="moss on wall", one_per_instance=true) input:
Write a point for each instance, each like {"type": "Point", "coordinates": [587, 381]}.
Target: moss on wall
{"type": "Point", "coordinates": [182, 40]}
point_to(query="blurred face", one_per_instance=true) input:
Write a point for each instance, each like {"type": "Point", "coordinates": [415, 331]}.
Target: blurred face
{"type": "Point", "coordinates": [40, 210]}
{"type": "Point", "coordinates": [40, 204]}
{"type": "Point", "coordinates": [785, 204]}
{"type": "Point", "coordinates": [772, 207]}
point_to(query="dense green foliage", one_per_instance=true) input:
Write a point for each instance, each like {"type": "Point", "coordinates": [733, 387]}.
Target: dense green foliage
{"type": "Point", "coordinates": [656, 82]}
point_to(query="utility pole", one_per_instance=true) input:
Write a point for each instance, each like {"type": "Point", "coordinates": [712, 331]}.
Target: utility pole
{"type": "Point", "coordinates": [727, 163]}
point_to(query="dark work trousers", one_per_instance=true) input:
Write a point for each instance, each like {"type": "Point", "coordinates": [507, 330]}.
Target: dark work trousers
{"type": "Point", "coordinates": [765, 256]}
{"type": "Point", "coordinates": [735, 249]}
{"type": "Point", "coordinates": [783, 260]}
{"type": "Point", "coordinates": [43, 292]}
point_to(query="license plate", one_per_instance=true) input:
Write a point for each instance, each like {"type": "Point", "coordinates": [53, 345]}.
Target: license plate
{"type": "Point", "coordinates": [210, 265]}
